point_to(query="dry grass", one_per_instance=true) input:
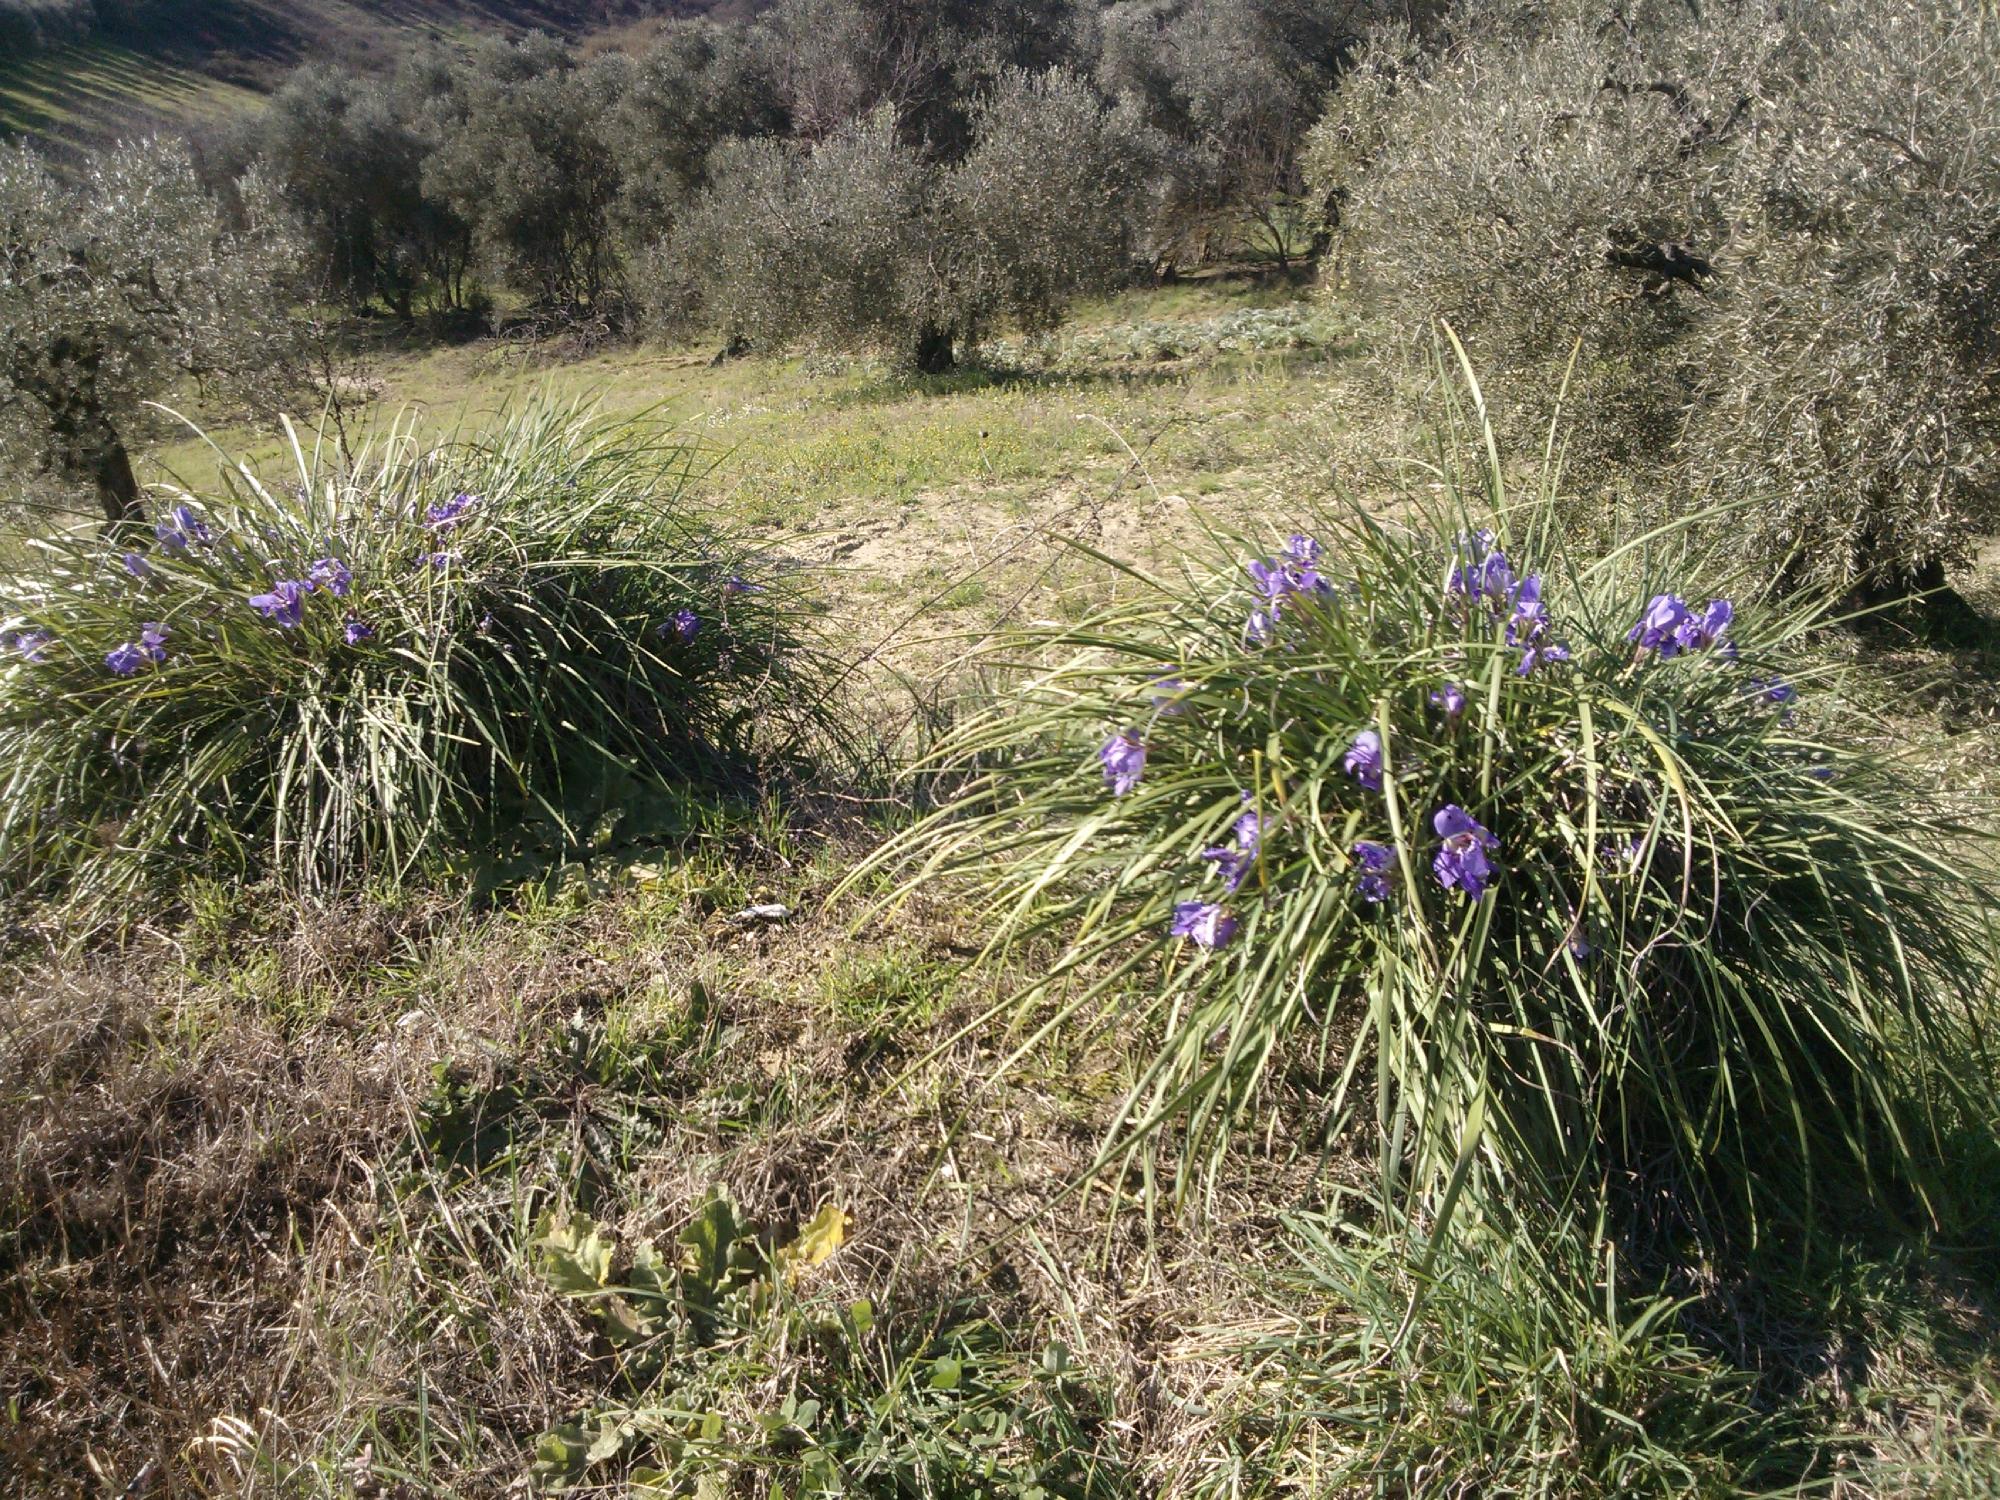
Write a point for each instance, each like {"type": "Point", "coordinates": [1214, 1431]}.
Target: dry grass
{"type": "Point", "coordinates": [272, 1181]}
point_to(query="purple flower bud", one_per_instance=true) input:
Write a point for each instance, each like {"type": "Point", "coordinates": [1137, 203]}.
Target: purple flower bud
{"type": "Point", "coordinates": [137, 566]}
{"type": "Point", "coordinates": [1303, 550]}
{"type": "Point", "coordinates": [1124, 758]}
{"type": "Point", "coordinates": [153, 641]}
{"type": "Point", "coordinates": [357, 631]}
{"type": "Point", "coordinates": [1461, 864]}
{"type": "Point", "coordinates": [33, 645]}
{"type": "Point", "coordinates": [448, 513]}
{"type": "Point", "coordinates": [1260, 628]}
{"type": "Point", "coordinates": [1450, 698]}
{"type": "Point", "coordinates": [1373, 861]}
{"type": "Point", "coordinates": [737, 584]}
{"type": "Point", "coordinates": [331, 574]}
{"type": "Point", "coordinates": [1206, 922]}
{"type": "Point", "coordinates": [1363, 760]}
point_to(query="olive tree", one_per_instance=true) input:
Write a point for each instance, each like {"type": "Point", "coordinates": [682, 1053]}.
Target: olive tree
{"type": "Point", "coordinates": [348, 155]}
{"type": "Point", "coordinates": [122, 288]}
{"type": "Point", "coordinates": [698, 85]}
{"type": "Point", "coordinates": [1236, 84]}
{"type": "Point", "coordinates": [1766, 232]}
{"type": "Point", "coordinates": [860, 241]}
{"type": "Point", "coordinates": [526, 157]}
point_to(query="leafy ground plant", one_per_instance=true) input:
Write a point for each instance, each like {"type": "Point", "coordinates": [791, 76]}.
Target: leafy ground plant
{"type": "Point", "coordinates": [435, 647]}
{"type": "Point", "coordinates": [1572, 864]}
{"type": "Point", "coordinates": [852, 1402]}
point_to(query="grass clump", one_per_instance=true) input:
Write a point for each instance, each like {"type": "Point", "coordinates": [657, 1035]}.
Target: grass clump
{"type": "Point", "coordinates": [1572, 863]}
{"type": "Point", "coordinates": [1484, 1362]}
{"type": "Point", "coordinates": [432, 649]}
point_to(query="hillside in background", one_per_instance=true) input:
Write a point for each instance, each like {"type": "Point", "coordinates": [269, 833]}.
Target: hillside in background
{"type": "Point", "coordinates": [78, 72]}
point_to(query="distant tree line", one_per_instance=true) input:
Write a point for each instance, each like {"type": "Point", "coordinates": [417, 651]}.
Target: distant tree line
{"type": "Point", "coordinates": [904, 175]}
{"type": "Point", "coordinates": [898, 173]}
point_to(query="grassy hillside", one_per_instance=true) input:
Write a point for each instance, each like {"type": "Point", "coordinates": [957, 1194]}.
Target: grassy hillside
{"type": "Point", "coordinates": [355, 1197]}
{"type": "Point", "coordinates": [187, 61]}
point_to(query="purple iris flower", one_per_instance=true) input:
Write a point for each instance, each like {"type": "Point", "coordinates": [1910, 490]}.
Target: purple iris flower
{"type": "Point", "coordinates": [1699, 632]}
{"type": "Point", "coordinates": [137, 566]}
{"type": "Point", "coordinates": [1204, 921]}
{"type": "Point", "coordinates": [1620, 858]}
{"type": "Point", "coordinates": [1363, 760]}
{"type": "Point", "coordinates": [181, 529]}
{"type": "Point", "coordinates": [285, 605]}
{"type": "Point", "coordinates": [1292, 574]}
{"type": "Point", "coordinates": [357, 631]}
{"type": "Point", "coordinates": [1166, 696]}
{"type": "Point", "coordinates": [1237, 860]}
{"type": "Point", "coordinates": [125, 659]}
{"type": "Point", "coordinates": [1462, 864]}
{"type": "Point", "coordinates": [448, 513]}
{"type": "Point", "coordinates": [1124, 757]}
{"type": "Point", "coordinates": [1373, 860]}
{"type": "Point", "coordinates": [331, 574]}
{"type": "Point", "coordinates": [153, 641]}
{"type": "Point", "coordinates": [437, 562]}
{"type": "Point", "coordinates": [1659, 628]}
{"type": "Point", "coordinates": [1269, 578]}
{"type": "Point", "coordinates": [33, 644]}
{"type": "Point", "coordinates": [1536, 656]}
{"type": "Point", "coordinates": [1775, 691]}
{"type": "Point", "coordinates": [684, 626]}
{"type": "Point", "coordinates": [1450, 698]}
{"type": "Point", "coordinates": [1530, 617]}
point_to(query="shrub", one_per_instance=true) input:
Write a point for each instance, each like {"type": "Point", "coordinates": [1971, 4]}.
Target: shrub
{"type": "Point", "coordinates": [428, 648]}
{"type": "Point", "coordinates": [1507, 835]}
{"type": "Point", "coordinates": [1770, 229]}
